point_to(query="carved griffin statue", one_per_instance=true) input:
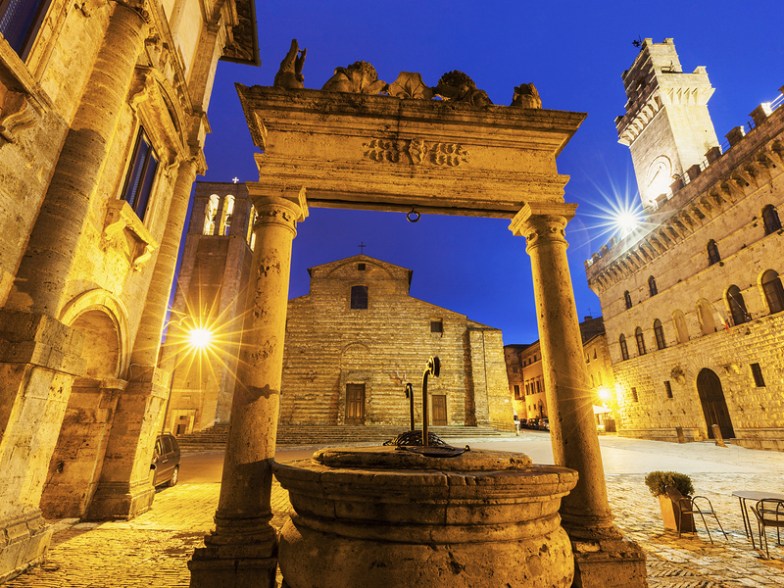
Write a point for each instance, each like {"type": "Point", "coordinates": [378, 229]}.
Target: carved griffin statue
{"type": "Point", "coordinates": [289, 74]}
{"type": "Point", "coordinates": [359, 78]}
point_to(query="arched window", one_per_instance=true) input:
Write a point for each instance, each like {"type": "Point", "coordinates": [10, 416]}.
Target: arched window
{"type": "Point", "coordinates": [652, 286]}
{"type": "Point", "coordinates": [640, 341]}
{"type": "Point", "coordinates": [210, 213]}
{"type": "Point", "coordinates": [627, 298]}
{"type": "Point", "coordinates": [359, 297]}
{"type": "Point", "coordinates": [228, 211]}
{"type": "Point", "coordinates": [737, 305]}
{"type": "Point", "coordinates": [770, 219]}
{"type": "Point", "coordinates": [680, 326]}
{"type": "Point", "coordinates": [624, 349]}
{"type": "Point", "coordinates": [658, 330]}
{"type": "Point", "coordinates": [253, 216]}
{"type": "Point", "coordinates": [713, 252]}
{"type": "Point", "coordinates": [705, 315]}
{"type": "Point", "coordinates": [774, 293]}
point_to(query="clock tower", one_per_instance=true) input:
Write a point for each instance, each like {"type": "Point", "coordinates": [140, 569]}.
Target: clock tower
{"type": "Point", "coordinates": [667, 126]}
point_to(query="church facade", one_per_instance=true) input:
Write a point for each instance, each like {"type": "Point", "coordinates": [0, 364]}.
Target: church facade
{"type": "Point", "coordinates": [693, 302]}
{"type": "Point", "coordinates": [102, 123]}
{"type": "Point", "coordinates": [355, 340]}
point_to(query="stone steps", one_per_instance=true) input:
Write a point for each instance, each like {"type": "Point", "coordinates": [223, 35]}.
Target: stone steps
{"type": "Point", "coordinates": [215, 437]}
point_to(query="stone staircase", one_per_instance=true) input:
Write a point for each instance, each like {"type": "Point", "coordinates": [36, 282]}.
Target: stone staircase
{"type": "Point", "coordinates": [214, 438]}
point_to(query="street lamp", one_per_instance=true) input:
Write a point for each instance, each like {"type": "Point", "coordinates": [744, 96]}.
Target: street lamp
{"type": "Point", "coordinates": [200, 338]}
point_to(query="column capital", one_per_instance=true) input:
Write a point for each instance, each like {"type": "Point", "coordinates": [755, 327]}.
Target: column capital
{"type": "Point", "coordinates": [542, 220]}
{"type": "Point", "coordinates": [284, 209]}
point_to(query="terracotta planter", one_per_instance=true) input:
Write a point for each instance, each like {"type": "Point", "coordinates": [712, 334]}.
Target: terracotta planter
{"type": "Point", "coordinates": [669, 512]}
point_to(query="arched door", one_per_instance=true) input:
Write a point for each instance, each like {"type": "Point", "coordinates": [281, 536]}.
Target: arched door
{"type": "Point", "coordinates": [713, 403]}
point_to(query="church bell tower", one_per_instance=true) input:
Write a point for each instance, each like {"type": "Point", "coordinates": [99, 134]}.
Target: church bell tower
{"type": "Point", "coordinates": [667, 126]}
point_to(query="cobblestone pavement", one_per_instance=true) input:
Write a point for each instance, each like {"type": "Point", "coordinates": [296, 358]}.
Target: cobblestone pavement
{"type": "Point", "coordinates": [152, 550]}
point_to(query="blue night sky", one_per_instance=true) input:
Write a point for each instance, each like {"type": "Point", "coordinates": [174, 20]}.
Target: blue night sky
{"type": "Point", "coordinates": [574, 52]}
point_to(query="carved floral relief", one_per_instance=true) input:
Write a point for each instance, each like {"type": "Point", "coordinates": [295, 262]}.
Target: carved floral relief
{"type": "Point", "coordinates": [416, 152]}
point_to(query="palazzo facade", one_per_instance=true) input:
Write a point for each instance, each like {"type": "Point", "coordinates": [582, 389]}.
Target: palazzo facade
{"type": "Point", "coordinates": [693, 301]}
{"type": "Point", "coordinates": [102, 123]}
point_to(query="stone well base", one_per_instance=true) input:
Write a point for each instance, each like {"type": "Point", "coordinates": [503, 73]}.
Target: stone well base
{"type": "Point", "coordinates": [386, 517]}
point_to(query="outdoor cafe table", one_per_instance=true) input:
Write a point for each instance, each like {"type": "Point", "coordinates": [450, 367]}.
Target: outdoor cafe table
{"type": "Point", "coordinates": [754, 495]}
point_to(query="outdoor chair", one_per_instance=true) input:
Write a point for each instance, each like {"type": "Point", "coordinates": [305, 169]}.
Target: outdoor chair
{"type": "Point", "coordinates": [769, 513]}
{"type": "Point", "coordinates": [691, 505]}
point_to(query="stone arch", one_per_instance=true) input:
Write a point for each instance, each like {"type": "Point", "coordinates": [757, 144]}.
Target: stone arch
{"type": "Point", "coordinates": [75, 467]}
{"type": "Point", "coordinates": [355, 385]}
{"type": "Point", "coordinates": [210, 214]}
{"type": "Point", "coordinates": [772, 290]}
{"type": "Point", "coordinates": [109, 325]}
{"type": "Point", "coordinates": [714, 405]}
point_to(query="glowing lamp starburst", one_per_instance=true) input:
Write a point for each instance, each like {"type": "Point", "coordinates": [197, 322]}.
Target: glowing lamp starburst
{"type": "Point", "coordinates": [626, 221]}
{"type": "Point", "coordinates": [200, 338]}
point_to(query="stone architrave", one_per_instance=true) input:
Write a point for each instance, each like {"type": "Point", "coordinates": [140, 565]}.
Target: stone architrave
{"type": "Point", "coordinates": [383, 153]}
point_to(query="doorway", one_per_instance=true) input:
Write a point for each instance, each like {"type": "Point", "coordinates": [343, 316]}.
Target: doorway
{"type": "Point", "coordinates": [714, 406]}
{"type": "Point", "coordinates": [355, 404]}
{"type": "Point", "coordinates": [439, 409]}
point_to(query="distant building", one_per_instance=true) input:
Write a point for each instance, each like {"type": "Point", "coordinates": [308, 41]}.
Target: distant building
{"type": "Point", "coordinates": [693, 300]}
{"type": "Point", "coordinates": [524, 365]}
{"type": "Point", "coordinates": [346, 362]}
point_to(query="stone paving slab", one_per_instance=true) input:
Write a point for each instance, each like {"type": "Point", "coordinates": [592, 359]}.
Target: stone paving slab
{"type": "Point", "coordinates": [153, 549]}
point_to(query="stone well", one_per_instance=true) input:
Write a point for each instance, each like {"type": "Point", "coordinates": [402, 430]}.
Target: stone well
{"type": "Point", "coordinates": [381, 516]}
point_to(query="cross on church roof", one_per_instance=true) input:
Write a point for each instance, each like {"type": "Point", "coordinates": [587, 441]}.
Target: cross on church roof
{"type": "Point", "coordinates": [362, 247]}
{"type": "Point", "coordinates": [235, 180]}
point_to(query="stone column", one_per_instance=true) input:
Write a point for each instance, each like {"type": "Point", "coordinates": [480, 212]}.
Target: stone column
{"type": "Point", "coordinates": [242, 549]}
{"type": "Point", "coordinates": [125, 488]}
{"type": "Point", "coordinates": [603, 558]}
{"type": "Point", "coordinates": [46, 265]}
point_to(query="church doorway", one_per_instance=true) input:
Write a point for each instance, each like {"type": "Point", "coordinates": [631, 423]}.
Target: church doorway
{"type": "Point", "coordinates": [355, 404]}
{"type": "Point", "coordinates": [714, 406]}
{"type": "Point", "coordinates": [439, 409]}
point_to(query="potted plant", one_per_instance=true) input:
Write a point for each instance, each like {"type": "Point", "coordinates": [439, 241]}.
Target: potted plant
{"type": "Point", "coordinates": [657, 483]}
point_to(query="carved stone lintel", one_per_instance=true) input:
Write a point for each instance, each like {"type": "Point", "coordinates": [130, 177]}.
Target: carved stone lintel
{"type": "Point", "coordinates": [358, 78]}
{"type": "Point", "coordinates": [416, 152]}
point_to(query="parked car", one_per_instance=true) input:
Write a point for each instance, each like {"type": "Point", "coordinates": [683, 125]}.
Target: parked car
{"type": "Point", "coordinates": [166, 461]}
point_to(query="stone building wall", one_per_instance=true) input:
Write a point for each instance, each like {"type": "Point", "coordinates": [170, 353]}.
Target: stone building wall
{"type": "Point", "coordinates": [329, 345]}
{"type": "Point", "coordinates": [84, 276]}
{"type": "Point", "coordinates": [664, 388]}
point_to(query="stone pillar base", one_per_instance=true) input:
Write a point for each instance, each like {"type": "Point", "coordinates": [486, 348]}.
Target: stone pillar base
{"type": "Point", "coordinates": [23, 543]}
{"type": "Point", "coordinates": [609, 563]}
{"type": "Point", "coordinates": [119, 501]}
{"type": "Point", "coordinates": [233, 566]}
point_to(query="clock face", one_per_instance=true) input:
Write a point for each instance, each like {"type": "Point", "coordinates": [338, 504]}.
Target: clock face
{"type": "Point", "coordinates": [659, 177]}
